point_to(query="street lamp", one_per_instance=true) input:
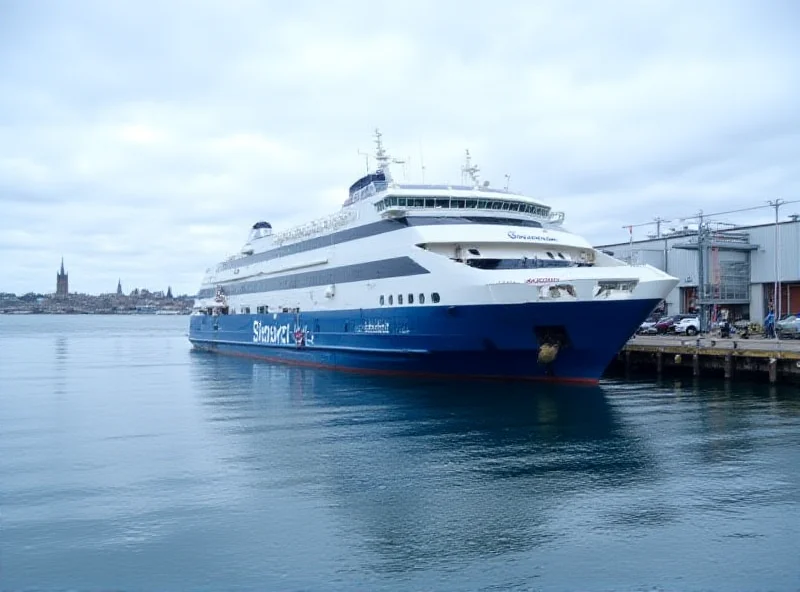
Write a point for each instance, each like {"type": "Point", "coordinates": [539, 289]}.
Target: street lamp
{"type": "Point", "coordinates": [777, 203]}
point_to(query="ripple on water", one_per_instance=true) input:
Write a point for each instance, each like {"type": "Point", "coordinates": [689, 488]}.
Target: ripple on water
{"type": "Point", "coordinates": [128, 462]}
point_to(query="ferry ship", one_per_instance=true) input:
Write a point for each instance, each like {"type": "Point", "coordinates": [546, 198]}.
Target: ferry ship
{"type": "Point", "coordinates": [462, 280]}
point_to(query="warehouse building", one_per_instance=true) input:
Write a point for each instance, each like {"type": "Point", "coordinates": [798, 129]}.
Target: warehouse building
{"type": "Point", "coordinates": [724, 269]}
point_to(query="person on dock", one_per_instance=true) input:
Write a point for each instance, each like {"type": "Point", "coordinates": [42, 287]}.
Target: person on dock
{"type": "Point", "coordinates": [769, 325]}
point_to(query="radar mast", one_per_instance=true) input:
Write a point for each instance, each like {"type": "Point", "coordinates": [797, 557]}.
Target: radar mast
{"type": "Point", "coordinates": [381, 157]}
{"type": "Point", "coordinates": [470, 170]}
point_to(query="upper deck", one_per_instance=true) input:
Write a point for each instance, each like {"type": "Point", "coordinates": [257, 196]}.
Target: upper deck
{"type": "Point", "coordinates": [391, 198]}
{"type": "Point", "coordinates": [377, 196]}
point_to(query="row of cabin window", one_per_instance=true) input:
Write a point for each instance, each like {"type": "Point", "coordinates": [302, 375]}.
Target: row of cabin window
{"type": "Point", "coordinates": [476, 252]}
{"type": "Point", "coordinates": [434, 298]}
{"type": "Point", "coordinates": [473, 204]}
{"type": "Point", "coordinates": [265, 309]}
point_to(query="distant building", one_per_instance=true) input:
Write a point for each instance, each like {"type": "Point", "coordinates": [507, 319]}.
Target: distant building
{"type": "Point", "coordinates": [119, 287]}
{"type": "Point", "coordinates": [738, 266]}
{"type": "Point", "coordinates": [62, 282]}
{"type": "Point", "coordinates": [169, 292]}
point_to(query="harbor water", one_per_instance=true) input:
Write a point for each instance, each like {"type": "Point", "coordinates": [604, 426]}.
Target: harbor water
{"type": "Point", "coordinates": [128, 462]}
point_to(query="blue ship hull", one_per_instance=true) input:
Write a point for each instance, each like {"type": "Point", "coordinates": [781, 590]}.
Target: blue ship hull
{"type": "Point", "coordinates": [488, 341]}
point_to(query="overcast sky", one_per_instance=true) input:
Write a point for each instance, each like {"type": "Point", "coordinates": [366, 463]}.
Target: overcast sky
{"type": "Point", "coordinates": [141, 139]}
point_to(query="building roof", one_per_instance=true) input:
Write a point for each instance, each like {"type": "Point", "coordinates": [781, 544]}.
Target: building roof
{"type": "Point", "coordinates": [694, 233]}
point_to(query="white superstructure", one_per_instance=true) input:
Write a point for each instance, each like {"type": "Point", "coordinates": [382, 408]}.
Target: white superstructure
{"type": "Point", "coordinates": [394, 244]}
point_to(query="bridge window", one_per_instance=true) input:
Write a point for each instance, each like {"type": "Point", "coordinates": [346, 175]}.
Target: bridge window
{"type": "Point", "coordinates": [435, 297]}
{"type": "Point", "coordinates": [462, 203]}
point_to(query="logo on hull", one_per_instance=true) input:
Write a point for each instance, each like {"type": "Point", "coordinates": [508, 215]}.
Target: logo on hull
{"type": "Point", "coordinates": [532, 237]}
{"type": "Point", "coordinates": [280, 334]}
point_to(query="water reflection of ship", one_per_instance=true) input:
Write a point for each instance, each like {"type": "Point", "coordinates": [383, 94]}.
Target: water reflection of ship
{"type": "Point", "coordinates": [425, 470]}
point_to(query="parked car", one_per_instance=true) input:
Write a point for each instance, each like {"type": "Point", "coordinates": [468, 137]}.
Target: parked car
{"type": "Point", "coordinates": [649, 326]}
{"type": "Point", "coordinates": [667, 324]}
{"type": "Point", "coordinates": [788, 327]}
{"type": "Point", "coordinates": [689, 326]}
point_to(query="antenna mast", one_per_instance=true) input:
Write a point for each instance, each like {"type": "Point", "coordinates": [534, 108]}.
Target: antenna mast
{"type": "Point", "coordinates": [366, 159]}
{"type": "Point", "coordinates": [381, 157]}
{"type": "Point", "coordinates": [470, 170]}
{"type": "Point", "coordinates": [421, 162]}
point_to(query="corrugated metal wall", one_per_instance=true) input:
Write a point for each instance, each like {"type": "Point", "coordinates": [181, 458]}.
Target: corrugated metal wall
{"type": "Point", "coordinates": [763, 260]}
{"type": "Point", "coordinates": [683, 265]}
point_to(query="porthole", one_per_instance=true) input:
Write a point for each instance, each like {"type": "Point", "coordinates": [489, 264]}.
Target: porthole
{"type": "Point", "coordinates": [422, 298]}
{"type": "Point", "coordinates": [561, 255]}
{"type": "Point", "coordinates": [390, 300]}
{"type": "Point", "coordinates": [399, 299]}
{"type": "Point", "coordinates": [382, 301]}
{"type": "Point", "coordinates": [411, 299]}
{"type": "Point", "coordinates": [435, 297]}
{"type": "Point", "coordinates": [475, 252]}
{"type": "Point", "coordinates": [549, 254]}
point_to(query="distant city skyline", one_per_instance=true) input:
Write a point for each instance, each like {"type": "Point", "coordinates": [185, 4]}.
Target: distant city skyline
{"type": "Point", "coordinates": [62, 287]}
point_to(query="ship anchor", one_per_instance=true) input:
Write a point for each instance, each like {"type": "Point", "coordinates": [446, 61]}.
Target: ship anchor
{"type": "Point", "coordinates": [547, 353]}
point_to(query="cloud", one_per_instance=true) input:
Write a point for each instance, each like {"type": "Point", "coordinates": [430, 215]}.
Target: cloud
{"type": "Point", "coordinates": [141, 140]}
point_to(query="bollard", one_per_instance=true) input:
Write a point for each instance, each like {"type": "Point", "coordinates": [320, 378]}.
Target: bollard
{"type": "Point", "coordinates": [773, 370]}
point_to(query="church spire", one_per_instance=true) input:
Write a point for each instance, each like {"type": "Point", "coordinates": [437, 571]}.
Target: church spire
{"type": "Point", "coordinates": [62, 281]}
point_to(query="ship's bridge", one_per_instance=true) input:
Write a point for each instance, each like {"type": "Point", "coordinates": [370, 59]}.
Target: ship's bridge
{"type": "Point", "coordinates": [407, 199]}
{"type": "Point", "coordinates": [366, 186]}
{"type": "Point", "coordinates": [392, 199]}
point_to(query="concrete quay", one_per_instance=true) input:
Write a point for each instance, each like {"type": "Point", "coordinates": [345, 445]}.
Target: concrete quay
{"type": "Point", "coordinates": [761, 359]}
